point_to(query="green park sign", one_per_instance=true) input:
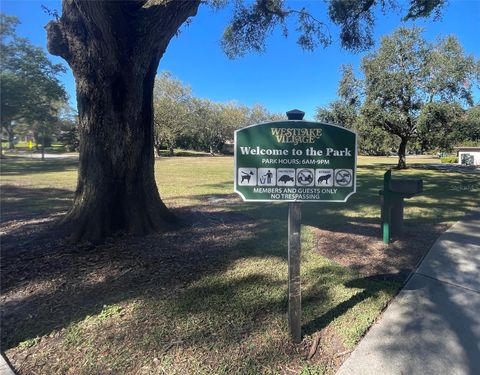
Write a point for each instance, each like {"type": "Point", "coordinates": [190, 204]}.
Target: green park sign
{"type": "Point", "coordinates": [295, 161]}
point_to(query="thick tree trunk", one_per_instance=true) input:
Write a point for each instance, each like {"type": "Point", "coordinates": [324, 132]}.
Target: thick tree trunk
{"type": "Point", "coordinates": [114, 49]}
{"type": "Point", "coordinates": [402, 151]}
{"type": "Point", "coordinates": [116, 184]}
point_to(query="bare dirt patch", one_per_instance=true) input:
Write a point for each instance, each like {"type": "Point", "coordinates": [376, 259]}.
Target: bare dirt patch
{"type": "Point", "coordinates": [360, 247]}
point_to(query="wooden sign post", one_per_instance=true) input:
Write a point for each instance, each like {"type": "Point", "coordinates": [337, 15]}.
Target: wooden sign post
{"type": "Point", "coordinates": [294, 282]}
{"type": "Point", "coordinates": [294, 256]}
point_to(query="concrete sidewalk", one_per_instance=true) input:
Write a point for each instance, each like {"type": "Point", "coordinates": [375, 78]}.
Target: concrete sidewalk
{"type": "Point", "coordinates": [433, 325]}
{"type": "Point", "coordinates": [5, 367]}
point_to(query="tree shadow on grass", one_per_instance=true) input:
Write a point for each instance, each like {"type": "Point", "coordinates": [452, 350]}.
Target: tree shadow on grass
{"type": "Point", "coordinates": [179, 272]}
{"type": "Point", "coordinates": [23, 166]}
{"type": "Point", "coordinates": [24, 203]}
{"type": "Point", "coordinates": [69, 282]}
{"type": "Point", "coordinates": [247, 313]}
{"type": "Point", "coordinates": [369, 286]}
{"type": "Point", "coordinates": [45, 290]}
{"type": "Point", "coordinates": [354, 226]}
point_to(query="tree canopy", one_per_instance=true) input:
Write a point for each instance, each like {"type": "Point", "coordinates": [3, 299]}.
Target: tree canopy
{"type": "Point", "coordinates": [412, 90]}
{"type": "Point", "coordinates": [173, 108]}
{"type": "Point", "coordinates": [407, 75]}
{"type": "Point", "coordinates": [252, 22]}
{"type": "Point", "coordinates": [31, 90]}
{"type": "Point", "coordinates": [346, 109]}
{"type": "Point", "coordinates": [182, 119]}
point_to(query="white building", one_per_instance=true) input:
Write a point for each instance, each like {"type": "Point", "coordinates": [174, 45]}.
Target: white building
{"type": "Point", "coordinates": [468, 155]}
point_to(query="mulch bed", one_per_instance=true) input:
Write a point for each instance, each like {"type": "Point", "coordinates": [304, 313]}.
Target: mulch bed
{"type": "Point", "coordinates": [360, 247]}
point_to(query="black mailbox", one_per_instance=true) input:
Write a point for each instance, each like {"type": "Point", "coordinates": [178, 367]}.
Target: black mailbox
{"type": "Point", "coordinates": [406, 187]}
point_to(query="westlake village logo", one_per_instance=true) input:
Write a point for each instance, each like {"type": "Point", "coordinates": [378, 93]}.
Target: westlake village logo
{"type": "Point", "coordinates": [296, 135]}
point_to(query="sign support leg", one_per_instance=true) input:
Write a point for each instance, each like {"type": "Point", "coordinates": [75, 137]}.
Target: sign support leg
{"type": "Point", "coordinates": [294, 284]}
{"type": "Point", "coordinates": [386, 224]}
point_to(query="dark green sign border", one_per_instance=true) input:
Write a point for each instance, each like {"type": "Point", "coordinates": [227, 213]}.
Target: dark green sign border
{"type": "Point", "coordinates": [298, 124]}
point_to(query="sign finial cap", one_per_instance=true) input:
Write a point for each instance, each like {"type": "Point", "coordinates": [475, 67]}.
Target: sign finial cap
{"type": "Point", "coordinates": [295, 114]}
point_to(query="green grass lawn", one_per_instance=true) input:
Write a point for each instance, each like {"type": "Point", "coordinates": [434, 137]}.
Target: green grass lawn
{"type": "Point", "coordinates": [446, 197]}
{"type": "Point", "coordinates": [54, 148]}
{"type": "Point", "coordinates": [229, 317]}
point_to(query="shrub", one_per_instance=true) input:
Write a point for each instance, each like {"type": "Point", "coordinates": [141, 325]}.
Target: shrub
{"type": "Point", "coordinates": [449, 159]}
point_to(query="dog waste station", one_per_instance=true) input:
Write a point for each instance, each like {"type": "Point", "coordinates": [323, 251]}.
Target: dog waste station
{"type": "Point", "coordinates": [295, 161]}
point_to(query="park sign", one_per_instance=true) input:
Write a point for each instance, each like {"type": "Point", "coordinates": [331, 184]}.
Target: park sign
{"type": "Point", "coordinates": [295, 161]}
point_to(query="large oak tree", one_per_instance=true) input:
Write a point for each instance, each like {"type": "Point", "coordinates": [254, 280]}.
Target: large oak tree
{"type": "Point", "coordinates": [409, 81]}
{"type": "Point", "coordinates": [114, 48]}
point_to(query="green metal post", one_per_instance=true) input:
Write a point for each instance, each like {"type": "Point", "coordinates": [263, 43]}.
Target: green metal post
{"type": "Point", "coordinates": [386, 225]}
{"type": "Point", "coordinates": [387, 217]}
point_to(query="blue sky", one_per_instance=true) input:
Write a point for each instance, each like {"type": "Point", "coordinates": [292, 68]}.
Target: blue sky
{"type": "Point", "coordinates": [283, 78]}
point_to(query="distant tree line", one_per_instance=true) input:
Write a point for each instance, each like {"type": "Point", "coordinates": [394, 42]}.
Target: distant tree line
{"type": "Point", "coordinates": [412, 92]}
{"type": "Point", "coordinates": [185, 121]}
{"type": "Point", "coordinates": [33, 101]}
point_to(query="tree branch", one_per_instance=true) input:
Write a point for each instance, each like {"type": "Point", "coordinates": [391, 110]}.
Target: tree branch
{"type": "Point", "coordinates": [57, 43]}
{"type": "Point", "coordinates": [159, 20]}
